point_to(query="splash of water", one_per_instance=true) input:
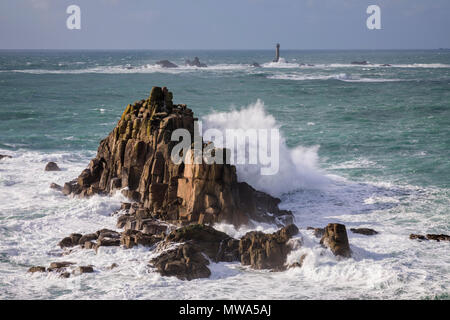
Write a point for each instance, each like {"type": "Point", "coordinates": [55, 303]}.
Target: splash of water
{"type": "Point", "coordinates": [297, 167]}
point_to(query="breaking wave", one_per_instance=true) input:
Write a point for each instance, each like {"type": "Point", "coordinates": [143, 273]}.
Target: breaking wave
{"type": "Point", "coordinates": [297, 167]}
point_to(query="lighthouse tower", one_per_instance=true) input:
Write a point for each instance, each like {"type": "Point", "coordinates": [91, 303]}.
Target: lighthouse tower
{"type": "Point", "coordinates": [277, 53]}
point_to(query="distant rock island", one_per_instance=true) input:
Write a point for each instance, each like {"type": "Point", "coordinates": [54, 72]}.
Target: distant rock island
{"type": "Point", "coordinates": [166, 64]}
{"type": "Point", "coordinates": [195, 63]}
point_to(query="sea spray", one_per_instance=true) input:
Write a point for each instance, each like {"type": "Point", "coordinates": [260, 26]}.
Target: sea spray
{"type": "Point", "coordinates": [298, 167]}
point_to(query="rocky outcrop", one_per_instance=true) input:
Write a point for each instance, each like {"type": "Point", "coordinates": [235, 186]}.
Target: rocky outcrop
{"type": "Point", "coordinates": [63, 268]}
{"type": "Point", "coordinates": [166, 64]}
{"type": "Point", "coordinates": [266, 251]}
{"type": "Point", "coordinates": [435, 237]}
{"type": "Point", "coordinates": [196, 245]}
{"type": "Point", "coordinates": [136, 158]}
{"type": "Point", "coordinates": [195, 63]}
{"type": "Point", "coordinates": [335, 238]}
{"type": "Point", "coordinates": [364, 231]}
{"type": "Point", "coordinates": [52, 166]}
{"type": "Point", "coordinates": [37, 269]}
{"type": "Point", "coordinates": [184, 262]}
{"type": "Point", "coordinates": [200, 244]}
{"type": "Point", "coordinates": [217, 245]}
{"type": "Point", "coordinates": [174, 205]}
{"type": "Point", "coordinates": [101, 238]}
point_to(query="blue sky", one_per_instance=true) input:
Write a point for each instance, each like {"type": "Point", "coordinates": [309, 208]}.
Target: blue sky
{"type": "Point", "coordinates": [224, 24]}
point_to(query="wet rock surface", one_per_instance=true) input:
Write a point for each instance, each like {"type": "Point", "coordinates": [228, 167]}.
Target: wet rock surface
{"type": "Point", "coordinates": [335, 238]}
{"type": "Point", "coordinates": [52, 166]}
{"type": "Point", "coordinates": [185, 262]}
{"type": "Point", "coordinates": [218, 246]}
{"type": "Point", "coordinates": [435, 237]}
{"type": "Point", "coordinates": [266, 251]}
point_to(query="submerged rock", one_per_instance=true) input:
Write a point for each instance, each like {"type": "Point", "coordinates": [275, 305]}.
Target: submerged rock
{"type": "Point", "coordinates": [59, 266]}
{"type": "Point", "coordinates": [436, 237]}
{"type": "Point", "coordinates": [56, 186]}
{"type": "Point", "coordinates": [166, 64]}
{"type": "Point", "coordinates": [195, 63]}
{"type": "Point", "coordinates": [37, 269]}
{"type": "Point", "coordinates": [137, 156]}
{"type": "Point", "coordinates": [364, 231]}
{"type": "Point", "coordinates": [4, 156]}
{"type": "Point", "coordinates": [336, 239]}
{"type": "Point", "coordinates": [52, 166]}
{"type": "Point", "coordinates": [83, 269]}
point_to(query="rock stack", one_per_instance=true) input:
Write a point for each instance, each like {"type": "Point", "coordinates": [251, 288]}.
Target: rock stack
{"type": "Point", "coordinates": [136, 158]}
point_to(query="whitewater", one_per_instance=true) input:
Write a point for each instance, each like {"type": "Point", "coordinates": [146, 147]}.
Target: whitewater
{"type": "Point", "coordinates": [353, 151]}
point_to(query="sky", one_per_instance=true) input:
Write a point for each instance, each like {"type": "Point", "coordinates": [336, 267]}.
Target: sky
{"type": "Point", "coordinates": [224, 24]}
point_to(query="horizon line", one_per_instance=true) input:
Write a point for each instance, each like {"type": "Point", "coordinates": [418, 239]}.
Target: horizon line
{"type": "Point", "coordinates": [220, 49]}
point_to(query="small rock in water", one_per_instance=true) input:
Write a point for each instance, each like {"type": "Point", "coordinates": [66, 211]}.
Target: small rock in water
{"type": "Point", "coordinates": [436, 237]}
{"type": "Point", "coordinates": [59, 266]}
{"type": "Point", "coordinates": [255, 65]}
{"type": "Point", "coordinates": [364, 231]}
{"type": "Point", "coordinates": [114, 265]}
{"type": "Point", "coordinates": [336, 239]}
{"type": "Point", "coordinates": [166, 64]}
{"type": "Point", "coordinates": [84, 269]}
{"type": "Point", "coordinates": [195, 63]}
{"type": "Point", "coordinates": [266, 251]}
{"type": "Point", "coordinates": [56, 186]}
{"type": "Point", "coordinates": [52, 166]}
{"type": "Point", "coordinates": [36, 269]}
{"type": "Point", "coordinates": [185, 262]}
{"type": "Point", "coordinates": [298, 264]}
{"type": "Point", "coordinates": [4, 156]}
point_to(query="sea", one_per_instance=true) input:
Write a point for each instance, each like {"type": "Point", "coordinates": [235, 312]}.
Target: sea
{"type": "Point", "coordinates": [362, 145]}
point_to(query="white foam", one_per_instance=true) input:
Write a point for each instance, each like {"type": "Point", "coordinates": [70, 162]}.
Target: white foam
{"type": "Point", "coordinates": [128, 69]}
{"type": "Point", "coordinates": [282, 63]}
{"type": "Point", "coordinates": [340, 76]}
{"type": "Point", "coordinates": [388, 265]}
{"type": "Point", "coordinates": [297, 167]}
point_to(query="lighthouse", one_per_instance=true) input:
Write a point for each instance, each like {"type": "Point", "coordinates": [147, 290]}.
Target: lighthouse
{"type": "Point", "coordinates": [277, 53]}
